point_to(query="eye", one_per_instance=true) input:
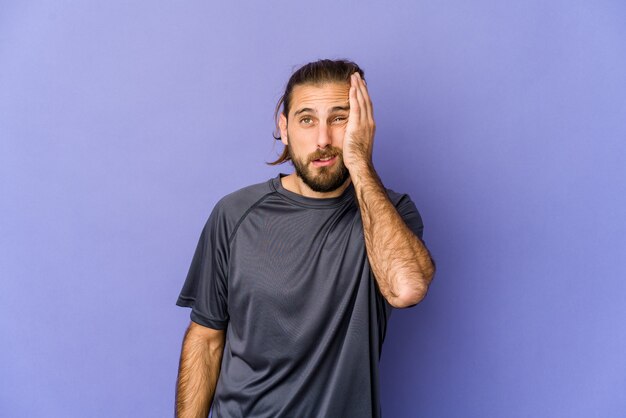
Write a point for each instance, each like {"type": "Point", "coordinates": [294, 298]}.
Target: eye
{"type": "Point", "coordinates": [339, 119]}
{"type": "Point", "coordinates": [306, 120]}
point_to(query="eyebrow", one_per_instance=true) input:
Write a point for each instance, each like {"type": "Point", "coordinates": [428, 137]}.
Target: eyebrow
{"type": "Point", "coordinates": [334, 109]}
{"type": "Point", "coordinates": [304, 109]}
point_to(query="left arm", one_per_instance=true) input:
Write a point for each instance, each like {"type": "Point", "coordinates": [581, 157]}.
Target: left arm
{"type": "Point", "coordinates": [400, 261]}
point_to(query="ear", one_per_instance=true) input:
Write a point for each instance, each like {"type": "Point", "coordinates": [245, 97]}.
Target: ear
{"type": "Point", "coordinates": [282, 125]}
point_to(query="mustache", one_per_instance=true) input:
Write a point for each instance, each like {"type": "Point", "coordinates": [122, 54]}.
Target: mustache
{"type": "Point", "coordinates": [332, 152]}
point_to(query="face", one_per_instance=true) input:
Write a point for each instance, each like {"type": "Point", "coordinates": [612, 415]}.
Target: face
{"type": "Point", "coordinates": [314, 131]}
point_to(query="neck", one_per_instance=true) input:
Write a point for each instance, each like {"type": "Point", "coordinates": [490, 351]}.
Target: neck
{"type": "Point", "coordinates": [294, 184]}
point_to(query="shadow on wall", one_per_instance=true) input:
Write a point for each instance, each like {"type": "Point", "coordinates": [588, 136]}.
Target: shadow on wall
{"type": "Point", "coordinates": [423, 340]}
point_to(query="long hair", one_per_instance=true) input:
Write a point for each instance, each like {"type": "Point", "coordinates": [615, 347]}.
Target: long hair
{"type": "Point", "coordinates": [313, 73]}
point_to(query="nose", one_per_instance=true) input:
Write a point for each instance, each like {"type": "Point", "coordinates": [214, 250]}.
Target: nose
{"type": "Point", "coordinates": [324, 135]}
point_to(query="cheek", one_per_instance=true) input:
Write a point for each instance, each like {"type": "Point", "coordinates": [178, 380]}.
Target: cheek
{"type": "Point", "coordinates": [297, 144]}
{"type": "Point", "coordinates": [302, 139]}
{"type": "Point", "coordinates": [338, 134]}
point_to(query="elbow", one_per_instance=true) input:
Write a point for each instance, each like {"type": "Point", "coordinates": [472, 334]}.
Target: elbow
{"type": "Point", "coordinates": [408, 298]}
{"type": "Point", "coordinates": [411, 296]}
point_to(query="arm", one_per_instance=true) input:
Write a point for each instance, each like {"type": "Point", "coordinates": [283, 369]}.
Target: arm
{"type": "Point", "coordinates": [199, 368]}
{"type": "Point", "coordinates": [400, 261]}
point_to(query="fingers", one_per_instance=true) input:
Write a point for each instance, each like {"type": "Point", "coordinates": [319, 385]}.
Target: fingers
{"type": "Point", "coordinates": [360, 129]}
{"type": "Point", "coordinates": [360, 98]}
{"type": "Point", "coordinates": [355, 111]}
{"type": "Point", "coordinates": [363, 98]}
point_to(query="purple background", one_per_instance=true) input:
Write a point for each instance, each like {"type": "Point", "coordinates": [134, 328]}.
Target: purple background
{"type": "Point", "coordinates": [122, 123]}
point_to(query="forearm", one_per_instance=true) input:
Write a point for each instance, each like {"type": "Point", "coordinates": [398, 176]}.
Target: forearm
{"type": "Point", "coordinates": [399, 260]}
{"type": "Point", "coordinates": [199, 369]}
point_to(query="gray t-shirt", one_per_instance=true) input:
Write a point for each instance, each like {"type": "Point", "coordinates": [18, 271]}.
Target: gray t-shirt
{"type": "Point", "coordinates": [288, 277]}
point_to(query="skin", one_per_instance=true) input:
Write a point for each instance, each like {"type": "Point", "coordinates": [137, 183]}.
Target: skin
{"type": "Point", "coordinates": [198, 370]}
{"type": "Point", "coordinates": [330, 119]}
{"type": "Point", "coordinates": [318, 120]}
{"type": "Point", "coordinates": [400, 261]}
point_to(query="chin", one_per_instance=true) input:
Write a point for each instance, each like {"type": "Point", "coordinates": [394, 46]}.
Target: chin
{"type": "Point", "coordinates": [325, 181]}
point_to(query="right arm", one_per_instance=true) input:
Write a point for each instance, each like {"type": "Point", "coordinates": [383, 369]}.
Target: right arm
{"type": "Point", "coordinates": [199, 368]}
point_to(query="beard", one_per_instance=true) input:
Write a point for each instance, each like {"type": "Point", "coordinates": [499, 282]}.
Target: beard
{"type": "Point", "coordinates": [328, 178]}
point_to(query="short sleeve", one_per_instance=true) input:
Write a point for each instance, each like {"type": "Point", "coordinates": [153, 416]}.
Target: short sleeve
{"type": "Point", "coordinates": [411, 216]}
{"type": "Point", "coordinates": [205, 289]}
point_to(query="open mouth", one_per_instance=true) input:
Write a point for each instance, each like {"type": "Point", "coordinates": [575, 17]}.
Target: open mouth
{"type": "Point", "coordinates": [324, 161]}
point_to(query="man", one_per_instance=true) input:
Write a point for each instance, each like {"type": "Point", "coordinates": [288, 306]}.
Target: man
{"type": "Point", "coordinates": [294, 279]}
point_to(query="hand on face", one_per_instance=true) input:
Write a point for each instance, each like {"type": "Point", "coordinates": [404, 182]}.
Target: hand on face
{"type": "Point", "coordinates": [359, 137]}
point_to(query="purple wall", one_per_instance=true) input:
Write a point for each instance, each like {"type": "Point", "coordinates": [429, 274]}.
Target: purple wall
{"type": "Point", "coordinates": [122, 124]}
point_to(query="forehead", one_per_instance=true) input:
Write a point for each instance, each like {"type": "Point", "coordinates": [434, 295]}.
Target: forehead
{"type": "Point", "coordinates": [319, 97]}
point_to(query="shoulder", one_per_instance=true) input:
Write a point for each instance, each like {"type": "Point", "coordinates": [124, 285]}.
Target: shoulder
{"type": "Point", "coordinates": [407, 210]}
{"type": "Point", "coordinates": [404, 205]}
{"type": "Point", "coordinates": [397, 198]}
{"type": "Point", "coordinates": [244, 198]}
{"type": "Point", "coordinates": [232, 207]}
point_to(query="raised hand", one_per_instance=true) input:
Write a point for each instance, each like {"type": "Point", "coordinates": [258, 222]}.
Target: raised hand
{"type": "Point", "coordinates": [358, 141]}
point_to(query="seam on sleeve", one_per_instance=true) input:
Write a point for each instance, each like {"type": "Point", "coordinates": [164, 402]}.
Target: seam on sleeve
{"type": "Point", "coordinates": [254, 205]}
{"type": "Point", "coordinates": [185, 301]}
{"type": "Point", "coordinates": [206, 321]}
